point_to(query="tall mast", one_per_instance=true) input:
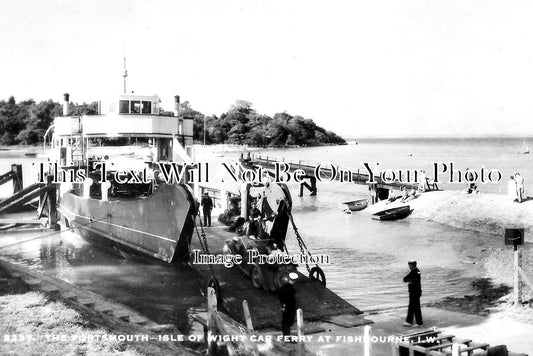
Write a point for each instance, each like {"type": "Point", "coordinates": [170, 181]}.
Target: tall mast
{"type": "Point", "coordinates": [125, 74]}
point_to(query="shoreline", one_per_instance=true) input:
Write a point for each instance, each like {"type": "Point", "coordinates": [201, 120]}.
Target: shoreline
{"type": "Point", "coordinates": [487, 213]}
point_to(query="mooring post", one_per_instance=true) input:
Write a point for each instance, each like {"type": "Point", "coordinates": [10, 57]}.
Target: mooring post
{"type": "Point", "coordinates": [247, 316]}
{"type": "Point", "coordinates": [249, 326]}
{"type": "Point", "coordinates": [372, 190]}
{"type": "Point", "coordinates": [17, 179]}
{"type": "Point", "coordinates": [517, 278]}
{"type": "Point", "coordinates": [300, 325]}
{"type": "Point", "coordinates": [211, 323]}
{"type": "Point", "coordinates": [313, 186]}
{"type": "Point", "coordinates": [456, 349]}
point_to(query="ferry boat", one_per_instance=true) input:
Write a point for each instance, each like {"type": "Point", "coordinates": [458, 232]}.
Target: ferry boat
{"type": "Point", "coordinates": [133, 217]}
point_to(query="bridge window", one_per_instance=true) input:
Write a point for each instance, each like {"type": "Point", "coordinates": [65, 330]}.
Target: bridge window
{"type": "Point", "coordinates": [147, 107]}
{"type": "Point", "coordinates": [123, 107]}
{"type": "Point", "coordinates": [135, 107]}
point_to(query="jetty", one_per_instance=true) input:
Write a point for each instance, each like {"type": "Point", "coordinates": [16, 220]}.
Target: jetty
{"type": "Point", "coordinates": [378, 187]}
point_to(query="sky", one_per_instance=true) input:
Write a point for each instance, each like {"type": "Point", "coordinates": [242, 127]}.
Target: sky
{"type": "Point", "coordinates": [358, 68]}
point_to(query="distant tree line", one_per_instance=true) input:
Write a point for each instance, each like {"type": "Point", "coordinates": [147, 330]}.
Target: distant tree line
{"type": "Point", "coordinates": [26, 122]}
{"type": "Point", "coordinates": [243, 125]}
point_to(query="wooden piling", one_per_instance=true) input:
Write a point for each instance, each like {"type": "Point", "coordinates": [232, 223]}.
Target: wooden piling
{"type": "Point", "coordinates": [311, 186]}
{"type": "Point", "coordinates": [52, 204]}
{"type": "Point", "coordinates": [456, 349]}
{"type": "Point", "coordinates": [211, 310]}
{"type": "Point", "coordinates": [249, 326]}
{"type": "Point", "coordinates": [367, 341]}
{"type": "Point", "coordinates": [17, 178]}
{"type": "Point", "coordinates": [300, 325]}
{"type": "Point", "coordinates": [517, 277]}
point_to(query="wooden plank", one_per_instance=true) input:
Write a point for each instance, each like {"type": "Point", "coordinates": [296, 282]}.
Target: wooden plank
{"type": "Point", "coordinates": [13, 221]}
{"type": "Point", "coordinates": [22, 197]}
{"type": "Point", "coordinates": [6, 177]}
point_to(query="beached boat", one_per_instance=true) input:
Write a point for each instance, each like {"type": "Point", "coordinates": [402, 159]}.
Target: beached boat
{"type": "Point", "coordinates": [357, 205]}
{"type": "Point", "coordinates": [144, 216]}
{"type": "Point", "coordinates": [397, 213]}
{"type": "Point", "coordinates": [525, 149]}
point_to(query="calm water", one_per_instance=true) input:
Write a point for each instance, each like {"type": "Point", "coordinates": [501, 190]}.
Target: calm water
{"type": "Point", "coordinates": [368, 257]}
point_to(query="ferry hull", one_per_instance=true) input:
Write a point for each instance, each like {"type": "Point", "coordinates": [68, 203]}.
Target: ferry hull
{"type": "Point", "coordinates": [159, 226]}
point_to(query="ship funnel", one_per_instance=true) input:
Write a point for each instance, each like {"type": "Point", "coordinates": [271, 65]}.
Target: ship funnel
{"type": "Point", "coordinates": [65, 103]}
{"type": "Point", "coordinates": [176, 105]}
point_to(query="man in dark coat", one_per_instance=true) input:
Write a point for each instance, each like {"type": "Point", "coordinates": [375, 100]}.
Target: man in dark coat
{"type": "Point", "coordinates": [287, 298]}
{"type": "Point", "coordinates": [415, 292]}
{"type": "Point", "coordinates": [207, 206]}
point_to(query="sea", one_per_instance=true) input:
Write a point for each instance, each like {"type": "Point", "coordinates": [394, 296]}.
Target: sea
{"type": "Point", "coordinates": [368, 258]}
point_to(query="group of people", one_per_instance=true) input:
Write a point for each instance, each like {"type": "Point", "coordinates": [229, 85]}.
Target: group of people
{"type": "Point", "coordinates": [405, 196]}
{"type": "Point", "coordinates": [516, 188]}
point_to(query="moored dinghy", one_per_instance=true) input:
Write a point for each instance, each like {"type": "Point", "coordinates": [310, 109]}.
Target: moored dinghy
{"type": "Point", "coordinates": [397, 213]}
{"type": "Point", "coordinates": [357, 205]}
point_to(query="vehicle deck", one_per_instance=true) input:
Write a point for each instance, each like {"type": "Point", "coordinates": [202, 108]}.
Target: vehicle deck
{"type": "Point", "coordinates": [317, 302]}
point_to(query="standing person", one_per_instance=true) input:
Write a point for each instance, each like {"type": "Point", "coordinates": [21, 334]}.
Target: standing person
{"type": "Point", "coordinates": [422, 181]}
{"type": "Point", "coordinates": [207, 206]}
{"type": "Point", "coordinates": [470, 179]}
{"type": "Point", "coordinates": [512, 190]}
{"type": "Point", "coordinates": [519, 186]}
{"type": "Point", "coordinates": [415, 292]}
{"type": "Point", "coordinates": [287, 298]}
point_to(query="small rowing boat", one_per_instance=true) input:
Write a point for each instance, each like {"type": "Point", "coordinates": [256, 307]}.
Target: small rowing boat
{"type": "Point", "coordinates": [357, 205]}
{"type": "Point", "coordinates": [400, 212]}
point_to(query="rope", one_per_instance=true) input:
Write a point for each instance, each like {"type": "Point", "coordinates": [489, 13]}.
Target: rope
{"type": "Point", "coordinates": [54, 233]}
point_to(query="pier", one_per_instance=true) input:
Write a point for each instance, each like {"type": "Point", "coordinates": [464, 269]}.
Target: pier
{"type": "Point", "coordinates": [313, 173]}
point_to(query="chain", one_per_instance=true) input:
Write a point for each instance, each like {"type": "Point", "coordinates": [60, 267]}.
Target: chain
{"type": "Point", "coordinates": [203, 240]}
{"type": "Point", "coordinates": [301, 243]}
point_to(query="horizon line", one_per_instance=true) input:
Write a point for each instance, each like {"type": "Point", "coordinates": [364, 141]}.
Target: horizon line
{"type": "Point", "coordinates": [524, 136]}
